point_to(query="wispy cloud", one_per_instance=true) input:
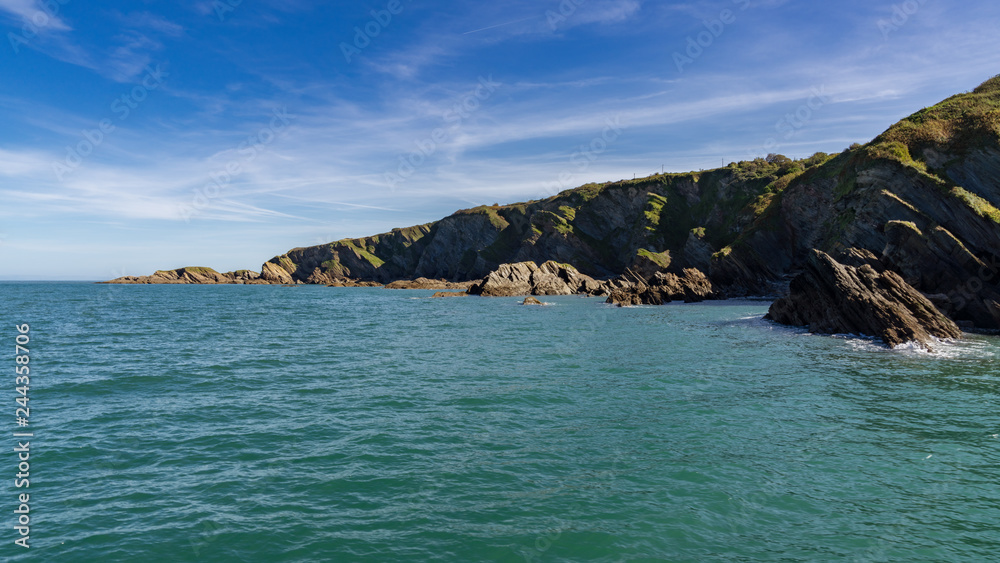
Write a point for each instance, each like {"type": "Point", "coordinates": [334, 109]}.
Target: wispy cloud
{"type": "Point", "coordinates": [32, 13]}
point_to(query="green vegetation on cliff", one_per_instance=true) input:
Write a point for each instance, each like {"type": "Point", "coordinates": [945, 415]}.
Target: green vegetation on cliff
{"type": "Point", "coordinates": [750, 223]}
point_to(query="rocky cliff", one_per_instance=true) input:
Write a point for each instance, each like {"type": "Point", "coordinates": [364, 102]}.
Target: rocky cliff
{"type": "Point", "coordinates": [920, 200]}
{"type": "Point", "coordinates": [674, 220]}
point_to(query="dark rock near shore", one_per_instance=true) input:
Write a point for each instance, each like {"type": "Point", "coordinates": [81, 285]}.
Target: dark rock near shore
{"type": "Point", "coordinates": [832, 298]}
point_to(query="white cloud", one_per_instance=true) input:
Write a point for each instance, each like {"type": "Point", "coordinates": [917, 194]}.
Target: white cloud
{"type": "Point", "coordinates": [32, 14]}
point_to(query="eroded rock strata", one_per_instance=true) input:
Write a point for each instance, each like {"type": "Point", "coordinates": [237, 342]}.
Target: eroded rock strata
{"type": "Point", "coordinates": [527, 278]}
{"type": "Point", "coordinates": [689, 286]}
{"type": "Point", "coordinates": [832, 298]}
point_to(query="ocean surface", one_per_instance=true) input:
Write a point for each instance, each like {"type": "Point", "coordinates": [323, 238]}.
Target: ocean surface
{"type": "Point", "coordinates": [263, 423]}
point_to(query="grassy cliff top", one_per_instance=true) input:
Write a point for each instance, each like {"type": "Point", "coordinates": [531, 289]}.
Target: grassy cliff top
{"type": "Point", "coordinates": [961, 122]}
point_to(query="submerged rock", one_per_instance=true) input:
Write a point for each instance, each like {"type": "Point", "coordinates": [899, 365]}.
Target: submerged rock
{"type": "Point", "coordinates": [531, 301]}
{"type": "Point", "coordinates": [440, 294]}
{"type": "Point", "coordinates": [353, 283]}
{"type": "Point", "coordinates": [424, 283]}
{"type": "Point", "coordinates": [832, 298]}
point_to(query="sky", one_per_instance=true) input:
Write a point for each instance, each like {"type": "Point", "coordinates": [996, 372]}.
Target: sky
{"type": "Point", "coordinates": [142, 135]}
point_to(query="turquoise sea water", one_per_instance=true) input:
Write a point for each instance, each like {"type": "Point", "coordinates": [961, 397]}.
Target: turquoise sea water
{"type": "Point", "coordinates": [260, 423]}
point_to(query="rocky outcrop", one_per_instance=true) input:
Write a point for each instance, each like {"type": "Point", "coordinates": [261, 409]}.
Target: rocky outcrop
{"type": "Point", "coordinates": [832, 298]}
{"type": "Point", "coordinates": [194, 275]}
{"type": "Point", "coordinates": [922, 199]}
{"type": "Point", "coordinates": [531, 301]}
{"type": "Point", "coordinates": [275, 274]}
{"type": "Point", "coordinates": [527, 278]}
{"type": "Point", "coordinates": [690, 285]}
{"type": "Point", "coordinates": [424, 283]}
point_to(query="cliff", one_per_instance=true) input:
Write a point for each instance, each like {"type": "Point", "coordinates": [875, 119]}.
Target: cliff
{"type": "Point", "coordinates": [601, 229]}
{"type": "Point", "coordinates": [920, 200]}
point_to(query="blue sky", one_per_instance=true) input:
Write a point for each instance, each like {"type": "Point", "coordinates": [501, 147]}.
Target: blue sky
{"type": "Point", "coordinates": [152, 135]}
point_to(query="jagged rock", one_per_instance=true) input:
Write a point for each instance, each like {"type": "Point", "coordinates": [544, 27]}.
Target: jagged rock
{"type": "Point", "coordinates": [531, 301]}
{"type": "Point", "coordinates": [450, 294]}
{"type": "Point", "coordinates": [690, 286]}
{"type": "Point", "coordinates": [831, 298]}
{"type": "Point", "coordinates": [275, 274]}
{"type": "Point", "coordinates": [424, 283]}
{"type": "Point", "coordinates": [526, 278]}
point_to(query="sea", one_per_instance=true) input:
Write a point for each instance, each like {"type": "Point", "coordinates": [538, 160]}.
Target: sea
{"type": "Point", "coordinates": [266, 423]}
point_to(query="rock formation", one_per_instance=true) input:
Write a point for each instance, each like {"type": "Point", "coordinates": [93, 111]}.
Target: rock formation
{"type": "Point", "coordinates": [197, 275]}
{"type": "Point", "coordinates": [831, 298]}
{"type": "Point", "coordinates": [921, 200]}
{"type": "Point", "coordinates": [531, 301]}
{"type": "Point", "coordinates": [690, 286]}
{"type": "Point", "coordinates": [527, 278]}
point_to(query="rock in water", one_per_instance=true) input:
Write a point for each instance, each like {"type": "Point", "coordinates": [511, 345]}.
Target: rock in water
{"type": "Point", "coordinates": [831, 298]}
{"type": "Point", "coordinates": [663, 287]}
{"type": "Point", "coordinates": [531, 301]}
{"type": "Point", "coordinates": [526, 278]}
